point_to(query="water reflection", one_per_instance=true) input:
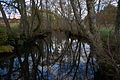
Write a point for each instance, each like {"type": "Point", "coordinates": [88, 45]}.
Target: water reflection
{"type": "Point", "coordinates": [48, 73]}
{"type": "Point", "coordinates": [66, 63]}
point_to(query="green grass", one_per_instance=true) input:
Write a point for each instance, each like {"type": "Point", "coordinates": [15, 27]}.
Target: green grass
{"type": "Point", "coordinates": [12, 27]}
{"type": "Point", "coordinates": [105, 32]}
{"type": "Point", "coordinates": [2, 29]}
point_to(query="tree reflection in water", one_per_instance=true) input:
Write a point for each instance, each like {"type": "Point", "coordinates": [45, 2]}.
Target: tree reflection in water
{"type": "Point", "coordinates": [46, 61]}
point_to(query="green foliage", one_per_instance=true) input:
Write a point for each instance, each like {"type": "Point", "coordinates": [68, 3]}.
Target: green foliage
{"type": "Point", "coordinates": [3, 38]}
{"type": "Point", "coordinates": [2, 29]}
{"type": "Point", "coordinates": [13, 27]}
{"type": "Point", "coordinates": [7, 48]}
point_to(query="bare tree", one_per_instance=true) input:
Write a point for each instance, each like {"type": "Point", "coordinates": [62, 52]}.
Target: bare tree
{"type": "Point", "coordinates": [5, 19]}
{"type": "Point", "coordinates": [90, 32]}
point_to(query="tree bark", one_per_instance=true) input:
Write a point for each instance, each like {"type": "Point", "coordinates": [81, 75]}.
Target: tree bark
{"type": "Point", "coordinates": [117, 27]}
{"type": "Point", "coordinates": [24, 19]}
{"type": "Point", "coordinates": [5, 19]}
{"type": "Point", "coordinates": [76, 13]}
{"type": "Point", "coordinates": [96, 41]}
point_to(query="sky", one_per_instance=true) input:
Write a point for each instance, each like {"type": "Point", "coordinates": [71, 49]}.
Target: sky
{"type": "Point", "coordinates": [12, 15]}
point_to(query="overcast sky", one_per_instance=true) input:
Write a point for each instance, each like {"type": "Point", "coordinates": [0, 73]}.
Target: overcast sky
{"type": "Point", "coordinates": [18, 16]}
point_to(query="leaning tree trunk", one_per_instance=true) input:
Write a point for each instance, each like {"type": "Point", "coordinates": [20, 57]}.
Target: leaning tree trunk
{"type": "Point", "coordinates": [5, 19]}
{"type": "Point", "coordinates": [96, 42]}
{"type": "Point", "coordinates": [90, 32]}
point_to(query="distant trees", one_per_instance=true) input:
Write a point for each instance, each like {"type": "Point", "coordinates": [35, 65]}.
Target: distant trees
{"type": "Point", "coordinates": [107, 16]}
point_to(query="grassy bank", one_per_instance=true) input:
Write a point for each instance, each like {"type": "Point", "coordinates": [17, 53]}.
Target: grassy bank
{"type": "Point", "coordinates": [106, 32]}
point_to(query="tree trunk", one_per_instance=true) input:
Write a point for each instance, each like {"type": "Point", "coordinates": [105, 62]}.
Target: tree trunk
{"type": "Point", "coordinates": [24, 18]}
{"type": "Point", "coordinates": [5, 19]}
{"type": "Point", "coordinates": [96, 42]}
{"type": "Point", "coordinates": [117, 27]}
{"type": "Point", "coordinates": [90, 32]}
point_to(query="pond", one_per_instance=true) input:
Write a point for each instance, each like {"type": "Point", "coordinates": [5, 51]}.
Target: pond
{"type": "Point", "coordinates": [66, 68]}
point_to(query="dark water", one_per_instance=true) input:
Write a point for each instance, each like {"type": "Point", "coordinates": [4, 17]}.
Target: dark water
{"type": "Point", "coordinates": [53, 72]}
{"type": "Point", "coordinates": [65, 69]}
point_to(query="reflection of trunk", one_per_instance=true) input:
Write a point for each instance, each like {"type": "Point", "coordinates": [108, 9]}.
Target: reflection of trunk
{"type": "Point", "coordinates": [10, 69]}
{"type": "Point", "coordinates": [5, 19]}
{"type": "Point", "coordinates": [117, 28]}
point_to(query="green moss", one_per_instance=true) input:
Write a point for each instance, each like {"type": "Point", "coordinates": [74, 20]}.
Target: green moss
{"type": "Point", "coordinates": [3, 38]}
{"type": "Point", "coordinates": [7, 48]}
